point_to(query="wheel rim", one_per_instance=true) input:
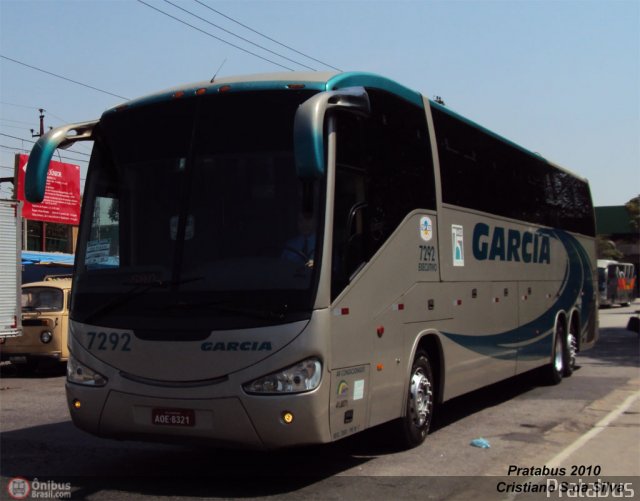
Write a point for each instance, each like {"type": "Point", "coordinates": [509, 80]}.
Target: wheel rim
{"type": "Point", "coordinates": [572, 343]}
{"type": "Point", "coordinates": [558, 360]}
{"type": "Point", "coordinates": [420, 397]}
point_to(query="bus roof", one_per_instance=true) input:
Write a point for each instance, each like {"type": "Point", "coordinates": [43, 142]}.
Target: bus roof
{"type": "Point", "coordinates": [320, 81]}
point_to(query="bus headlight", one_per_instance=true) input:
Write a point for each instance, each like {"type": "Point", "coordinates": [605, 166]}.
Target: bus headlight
{"type": "Point", "coordinates": [81, 374]}
{"type": "Point", "coordinates": [304, 376]}
{"type": "Point", "coordinates": [46, 337]}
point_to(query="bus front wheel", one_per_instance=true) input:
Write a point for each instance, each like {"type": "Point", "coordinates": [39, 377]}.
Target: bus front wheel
{"type": "Point", "coordinates": [414, 426]}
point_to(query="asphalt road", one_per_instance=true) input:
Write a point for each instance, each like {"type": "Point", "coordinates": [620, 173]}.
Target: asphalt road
{"type": "Point", "coordinates": [525, 424]}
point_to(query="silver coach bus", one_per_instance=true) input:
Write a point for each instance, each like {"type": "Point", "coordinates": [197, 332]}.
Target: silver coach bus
{"type": "Point", "coordinates": [289, 259]}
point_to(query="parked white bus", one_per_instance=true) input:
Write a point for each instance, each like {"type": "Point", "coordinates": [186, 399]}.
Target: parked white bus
{"type": "Point", "coordinates": [289, 259]}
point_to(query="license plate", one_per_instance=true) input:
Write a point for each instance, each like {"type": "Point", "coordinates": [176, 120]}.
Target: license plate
{"type": "Point", "coordinates": [173, 417]}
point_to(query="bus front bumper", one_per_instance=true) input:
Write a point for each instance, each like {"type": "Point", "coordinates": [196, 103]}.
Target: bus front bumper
{"type": "Point", "coordinates": [252, 422]}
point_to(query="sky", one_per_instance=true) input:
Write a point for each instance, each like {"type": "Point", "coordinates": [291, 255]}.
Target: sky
{"type": "Point", "coordinates": [561, 77]}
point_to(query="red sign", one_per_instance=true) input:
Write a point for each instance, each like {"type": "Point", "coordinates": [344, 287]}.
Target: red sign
{"type": "Point", "coordinates": [61, 202]}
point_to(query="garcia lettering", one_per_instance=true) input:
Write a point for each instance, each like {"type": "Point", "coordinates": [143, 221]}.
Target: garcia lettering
{"type": "Point", "coordinates": [503, 244]}
{"type": "Point", "coordinates": [237, 346]}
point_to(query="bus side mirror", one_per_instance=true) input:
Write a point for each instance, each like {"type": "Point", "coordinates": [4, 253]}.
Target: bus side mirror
{"type": "Point", "coordinates": [308, 126]}
{"type": "Point", "coordinates": [42, 152]}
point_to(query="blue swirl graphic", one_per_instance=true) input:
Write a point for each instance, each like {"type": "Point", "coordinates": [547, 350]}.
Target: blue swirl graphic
{"type": "Point", "coordinates": [535, 337]}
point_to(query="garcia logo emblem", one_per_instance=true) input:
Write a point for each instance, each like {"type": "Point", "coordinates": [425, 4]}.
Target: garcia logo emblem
{"type": "Point", "coordinates": [426, 228]}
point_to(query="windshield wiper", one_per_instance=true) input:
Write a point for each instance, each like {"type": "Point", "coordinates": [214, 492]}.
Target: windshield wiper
{"type": "Point", "coordinates": [135, 291]}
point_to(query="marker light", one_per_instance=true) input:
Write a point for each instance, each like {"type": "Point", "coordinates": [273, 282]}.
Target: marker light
{"type": "Point", "coordinates": [201, 91]}
{"type": "Point", "coordinates": [224, 88]}
{"type": "Point", "coordinates": [304, 376]}
{"type": "Point", "coordinates": [178, 94]}
{"type": "Point", "coordinates": [76, 403]}
{"type": "Point", "coordinates": [287, 417]}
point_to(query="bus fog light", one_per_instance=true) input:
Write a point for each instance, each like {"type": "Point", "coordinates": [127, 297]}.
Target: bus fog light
{"type": "Point", "coordinates": [287, 417]}
{"type": "Point", "coordinates": [46, 337]}
{"type": "Point", "coordinates": [81, 374]}
{"type": "Point", "coordinates": [304, 376]}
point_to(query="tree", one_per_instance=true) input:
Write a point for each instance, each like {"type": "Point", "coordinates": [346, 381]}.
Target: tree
{"type": "Point", "coordinates": [606, 249]}
{"type": "Point", "coordinates": [633, 208]}
{"type": "Point", "coordinates": [114, 210]}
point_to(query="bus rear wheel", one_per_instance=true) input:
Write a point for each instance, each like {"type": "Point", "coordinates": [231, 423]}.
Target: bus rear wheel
{"type": "Point", "coordinates": [571, 348]}
{"type": "Point", "coordinates": [414, 426]}
{"type": "Point", "coordinates": [556, 368]}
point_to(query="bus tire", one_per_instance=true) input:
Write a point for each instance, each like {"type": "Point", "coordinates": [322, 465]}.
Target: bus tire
{"type": "Point", "coordinates": [414, 426]}
{"type": "Point", "coordinates": [570, 350]}
{"type": "Point", "coordinates": [555, 369]}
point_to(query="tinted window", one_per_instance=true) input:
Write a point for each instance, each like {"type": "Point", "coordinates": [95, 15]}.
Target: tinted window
{"type": "Point", "coordinates": [385, 171]}
{"type": "Point", "coordinates": [196, 206]}
{"type": "Point", "coordinates": [480, 171]}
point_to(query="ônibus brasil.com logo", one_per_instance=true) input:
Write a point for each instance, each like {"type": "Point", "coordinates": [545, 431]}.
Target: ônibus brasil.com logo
{"type": "Point", "coordinates": [21, 488]}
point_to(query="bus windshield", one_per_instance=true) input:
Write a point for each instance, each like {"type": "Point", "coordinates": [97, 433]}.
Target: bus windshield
{"type": "Point", "coordinates": [194, 205]}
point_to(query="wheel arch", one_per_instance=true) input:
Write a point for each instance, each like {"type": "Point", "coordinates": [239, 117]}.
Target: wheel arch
{"type": "Point", "coordinates": [429, 342]}
{"type": "Point", "coordinates": [561, 318]}
{"type": "Point", "coordinates": [577, 324]}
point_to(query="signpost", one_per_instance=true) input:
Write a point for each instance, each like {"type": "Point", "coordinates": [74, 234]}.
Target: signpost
{"type": "Point", "coordinates": [61, 202]}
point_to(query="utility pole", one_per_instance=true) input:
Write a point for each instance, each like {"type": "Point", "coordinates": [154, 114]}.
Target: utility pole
{"type": "Point", "coordinates": [41, 125]}
{"type": "Point", "coordinates": [43, 246]}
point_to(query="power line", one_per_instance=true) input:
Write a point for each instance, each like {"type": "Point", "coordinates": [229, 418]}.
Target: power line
{"type": "Point", "coordinates": [18, 138]}
{"type": "Point", "coordinates": [15, 126]}
{"type": "Point", "coordinates": [265, 36]}
{"type": "Point", "coordinates": [240, 37]}
{"type": "Point", "coordinates": [19, 105]}
{"type": "Point", "coordinates": [15, 148]}
{"type": "Point", "coordinates": [16, 121]}
{"type": "Point", "coordinates": [33, 142]}
{"type": "Point", "coordinates": [214, 36]}
{"type": "Point", "coordinates": [63, 78]}
{"type": "Point", "coordinates": [63, 120]}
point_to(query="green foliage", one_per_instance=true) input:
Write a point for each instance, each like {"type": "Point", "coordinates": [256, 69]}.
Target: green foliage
{"type": "Point", "coordinates": [606, 249]}
{"type": "Point", "coordinates": [633, 207]}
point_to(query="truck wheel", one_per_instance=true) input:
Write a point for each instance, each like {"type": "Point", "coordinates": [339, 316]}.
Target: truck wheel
{"type": "Point", "coordinates": [414, 426]}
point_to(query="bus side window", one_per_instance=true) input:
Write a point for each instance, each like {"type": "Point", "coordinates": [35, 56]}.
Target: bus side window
{"type": "Point", "coordinates": [384, 171]}
{"type": "Point", "coordinates": [348, 227]}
